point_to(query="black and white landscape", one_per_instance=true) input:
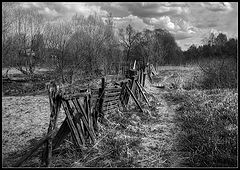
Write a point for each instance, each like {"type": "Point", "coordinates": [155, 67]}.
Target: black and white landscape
{"type": "Point", "coordinates": [123, 84]}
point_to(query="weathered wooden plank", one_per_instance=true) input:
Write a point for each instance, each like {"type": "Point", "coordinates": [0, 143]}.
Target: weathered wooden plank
{"type": "Point", "coordinates": [83, 128]}
{"type": "Point", "coordinates": [101, 97]}
{"type": "Point", "coordinates": [87, 109]}
{"type": "Point", "coordinates": [125, 95]}
{"type": "Point", "coordinates": [107, 99]}
{"type": "Point", "coordinates": [76, 120]}
{"type": "Point", "coordinates": [64, 129]}
{"type": "Point", "coordinates": [80, 110]}
{"type": "Point", "coordinates": [135, 99]}
{"type": "Point", "coordinates": [110, 103]}
{"type": "Point", "coordinates": [55, 104]}
{"type": "Point", "coordinates": [122, 81]}
{"type": "Point", "coordinates": [144, 77]}
{"type": "Point", "coordinates": [121, 97]}
{"type": "Point", "coordinates": [92, 104]}
{"type": "Point", "coordinates": [80, 132]}
{"type": "Point", "coordinates": [76, 95]}
{"type": "Point", "coordinates": [133, 78]}
{"type": "Point", "coordinates": [143, 89]}
{"type": "Point", "coordinates": [87, 101]}
{"type": "Point", "coordinates": [141, 77]}
{"type": "Point", "coordinates": [71, 124]}
{"type": "Point", "coordinates": [81, 107]}
{"type": "Point", "coordinates": [110, 108]}
{"type": "Point", "coordinates": [112, 94]}
{"type": "Point", "coordinates": [113, 89]}
{"type": "Point", "coordinates": [144, 96]}
{"type": "Point", "coordinates": [95, 125]}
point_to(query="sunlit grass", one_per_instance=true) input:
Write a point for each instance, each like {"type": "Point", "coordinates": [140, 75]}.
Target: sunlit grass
{"type": "Point", "coordinates": [208, 124]}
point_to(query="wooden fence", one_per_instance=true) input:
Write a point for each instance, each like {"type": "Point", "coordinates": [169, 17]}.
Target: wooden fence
{"type": "Point", "coordinates": [84, 108]}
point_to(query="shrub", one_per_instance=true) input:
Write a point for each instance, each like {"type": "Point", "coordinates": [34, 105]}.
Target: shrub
{"type": "Point", "coordinates": [219, 73]}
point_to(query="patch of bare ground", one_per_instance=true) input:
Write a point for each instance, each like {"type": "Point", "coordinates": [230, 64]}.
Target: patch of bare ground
{"type": "Point", "coordinates": [159, 143]}
{"type": "Point", "coordinates": [24, 121]}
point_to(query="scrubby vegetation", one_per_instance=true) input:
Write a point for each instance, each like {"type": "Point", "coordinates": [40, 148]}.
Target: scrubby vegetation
{"type": "Point", "coordinates": [207, 113]}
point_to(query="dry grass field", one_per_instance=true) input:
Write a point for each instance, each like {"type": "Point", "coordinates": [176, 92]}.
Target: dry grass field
{"type": "Point", "coordinates": [183, 127]}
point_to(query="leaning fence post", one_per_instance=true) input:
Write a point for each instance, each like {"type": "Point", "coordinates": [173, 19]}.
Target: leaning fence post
{"type": "Point", "coordinates": [101, 97]}
{"type": "Point", "coordinates": [55, 104]}
{"type": "Point", "coordinates": [133, 74]}
{"type": "Point", "coordinates": [144, 76]}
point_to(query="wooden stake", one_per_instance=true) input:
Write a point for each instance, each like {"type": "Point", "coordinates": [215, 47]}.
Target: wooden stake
{"type": "Point", "coordinates": [55, 104]}
{"type": "Point", "coordinates": [145, 98]}
{"type": "Point", "coordinates": [84, 119]}
{"type": "Point", "coordinates": [136, 101]}
{"type": "Point", "coordinates": [73, 128]}
{"type": "Point", "coordinates": [101, 96]}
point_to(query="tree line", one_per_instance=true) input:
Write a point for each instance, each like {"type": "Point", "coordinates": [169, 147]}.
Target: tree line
{"type": "Point", "coordinates": [215, 47]}
{"type": "Point", "coordinates": [90, 45]}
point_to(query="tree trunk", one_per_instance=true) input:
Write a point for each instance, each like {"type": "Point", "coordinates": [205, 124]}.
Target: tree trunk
{"type": "Point", "coordinates": [128, 54]}
{"type": "Point", "coordinates": [62, 71]}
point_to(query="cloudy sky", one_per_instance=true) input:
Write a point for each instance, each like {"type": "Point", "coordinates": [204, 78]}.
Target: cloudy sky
{"type": "Point", "coordinates": [189, 22]}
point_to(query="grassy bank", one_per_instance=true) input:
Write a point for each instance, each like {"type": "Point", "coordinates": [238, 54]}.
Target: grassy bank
{"type": "Point", "coordinates": [208, 123]}
{"type": "Point", "coordinates": [205, 101]}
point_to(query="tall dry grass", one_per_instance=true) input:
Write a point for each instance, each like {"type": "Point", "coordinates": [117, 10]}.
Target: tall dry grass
{"type": "Point", "coordinates": [208, 124]}
{"type": "Point", "coordinates": [207, 114]}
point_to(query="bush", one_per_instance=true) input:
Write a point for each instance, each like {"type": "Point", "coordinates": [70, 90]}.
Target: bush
{"type": "Point", "coordinates": [219, 73]}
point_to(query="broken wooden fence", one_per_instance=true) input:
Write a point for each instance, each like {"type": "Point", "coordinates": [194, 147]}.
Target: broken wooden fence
{"type": "Point", "coordinates": [84, 108]}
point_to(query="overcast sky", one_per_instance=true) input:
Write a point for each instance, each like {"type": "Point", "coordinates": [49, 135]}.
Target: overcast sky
{"type": "Point", "coordinates": [189, 22]}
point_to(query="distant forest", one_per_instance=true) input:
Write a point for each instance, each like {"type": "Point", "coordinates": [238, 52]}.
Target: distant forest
{"type": "Point", "coordinates": [94, 46]}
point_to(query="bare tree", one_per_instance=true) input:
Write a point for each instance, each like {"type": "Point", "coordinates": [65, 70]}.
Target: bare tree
{"type": "Point", "coordinates": [127, 39]}
{"type": "Point", "coordinates": [90, 43]}
{"type": "Point", "coordinates": [18, 32]}
{"type": "Point", "coordinates": [7, 24]}
{"type": "Point", "coordinates": [56, 36]}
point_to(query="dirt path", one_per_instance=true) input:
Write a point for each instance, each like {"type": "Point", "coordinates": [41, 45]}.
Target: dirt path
{"type": "Point", "coordinates": [157, 132]}
{"type": "Point", "coordinates": [161, 133]}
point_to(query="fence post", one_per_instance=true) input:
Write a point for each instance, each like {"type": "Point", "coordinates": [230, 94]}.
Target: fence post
{"type": "Point", "coordinates": [101, 97]}
{"type": "Point", "coordinates": [132, 75]}
{"type": "Point", "coordinates": [144, 76]}
{"type": "Point", "coordinates": [55, 104]}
